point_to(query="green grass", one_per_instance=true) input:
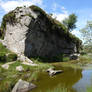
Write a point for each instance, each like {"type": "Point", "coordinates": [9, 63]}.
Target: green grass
{"type": "Point", "coordinates": [77, 64]}
{"type": "Point", "coordinates": [89, 89]}
{"type": "Point", "coordinates": [3, 49]}
{"type": "Point", "coordinates": [11, 76]}
{"type": "Point", "coordinates": [6, 55]}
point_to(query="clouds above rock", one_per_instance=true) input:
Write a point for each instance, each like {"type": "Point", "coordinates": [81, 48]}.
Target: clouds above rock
{"type": "Point", "coordinates": [59, 12]}
{"type": "Point", "coordinates": [10, 5]}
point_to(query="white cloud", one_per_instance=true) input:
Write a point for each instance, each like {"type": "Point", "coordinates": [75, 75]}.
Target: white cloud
{"type": "Point", "coordinates": [60, 16]}
{"type": "Point", "coordinates": [10, 5]}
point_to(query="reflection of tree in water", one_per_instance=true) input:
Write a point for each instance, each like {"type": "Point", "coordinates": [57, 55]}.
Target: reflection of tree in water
{"type": "Point", "coordinates": [66, 79]}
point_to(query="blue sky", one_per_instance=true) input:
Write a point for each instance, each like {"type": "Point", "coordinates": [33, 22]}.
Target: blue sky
{"type": "Point", "coordinates": [60, 9]}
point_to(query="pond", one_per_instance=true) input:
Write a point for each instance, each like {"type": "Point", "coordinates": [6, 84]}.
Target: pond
{"type": "Point", "coordinates": [75, 80]}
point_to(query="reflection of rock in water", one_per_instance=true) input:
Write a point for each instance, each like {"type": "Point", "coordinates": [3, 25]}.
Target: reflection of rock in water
{"type": "Point", "coordinates": [66, 79]}
{"type": "Point", "coordinates": [85, 82]}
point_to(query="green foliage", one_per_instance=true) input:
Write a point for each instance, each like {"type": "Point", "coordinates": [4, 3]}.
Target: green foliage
{"type": "Point", "coordinates": [9, 58]}
{"type": "Point", "coordinates": [3, 49]}
{"type": "Point", "coordinates": [61, 58]}
{"type": "Point", "coordinates": [6, 55]}
{"type": "Point", "coordinates": [70, 22]}
{"type": "Point", "coordinates": [2, 57]}
{"type": "Point", "coordinates": [86, 33]}
{"type": "Point", "coordinates": [87, 49]}
{"type": "Point", "coordinates": [12, 57]}
{"type": "Point", "coordinates": [65, 59]}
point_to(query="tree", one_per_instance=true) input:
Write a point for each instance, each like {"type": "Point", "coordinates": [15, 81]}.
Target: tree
{"type": "Point", "coordinates": [70, 22]}
{"type": "Point", "coordinates": [86, 33]}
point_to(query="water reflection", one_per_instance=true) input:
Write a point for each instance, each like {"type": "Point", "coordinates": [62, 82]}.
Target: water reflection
{"type": "Point", "coordinates": [66, 79]}
{"type": "Point", "coordinates": [85, 81]}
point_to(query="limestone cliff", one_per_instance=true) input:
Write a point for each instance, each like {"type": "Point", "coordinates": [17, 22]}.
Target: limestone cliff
{"type": "Point", "coordinates": [32, 32]}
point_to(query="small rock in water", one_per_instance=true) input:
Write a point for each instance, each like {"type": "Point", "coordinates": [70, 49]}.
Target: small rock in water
{"type": "Point", "coordinates": [19, 68]}
{"type": "Point", "coordinates": [53, 72]}
{"type": "Point", "coordinates": [23, 86]}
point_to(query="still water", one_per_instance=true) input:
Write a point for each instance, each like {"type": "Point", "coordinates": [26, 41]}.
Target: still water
{"type": "Point", "coordinates": [75, 80]}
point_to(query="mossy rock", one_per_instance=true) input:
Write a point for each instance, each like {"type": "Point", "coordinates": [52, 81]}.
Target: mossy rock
{"type": "Point", "coordinates": [38, 9]}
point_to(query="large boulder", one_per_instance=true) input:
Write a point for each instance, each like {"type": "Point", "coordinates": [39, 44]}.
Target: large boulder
{"type": "Point", "coordinates": [23, 86]}
{"type": "Point", "coordinates": [32, 32]}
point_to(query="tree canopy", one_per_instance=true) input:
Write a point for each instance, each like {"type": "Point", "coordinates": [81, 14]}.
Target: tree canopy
{"type": "Point", "coordinates": [70, 22]}
{"type": "Point", "coordinates": [86, 33]}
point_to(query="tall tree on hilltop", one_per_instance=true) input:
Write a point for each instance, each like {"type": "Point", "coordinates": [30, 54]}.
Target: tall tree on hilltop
{"type": "Point", "coordinates": [70, 22]}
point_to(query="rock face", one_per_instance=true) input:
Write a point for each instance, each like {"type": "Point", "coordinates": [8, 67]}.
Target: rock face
{"type": "Point", "coordinates": [23, 86]}
{"type": "Point", "coordinates": [32, 32]}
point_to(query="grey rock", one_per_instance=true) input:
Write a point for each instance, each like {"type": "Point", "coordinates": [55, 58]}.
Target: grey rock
{"type": "Point", "coordinates": [19, 68]}
{"type": "Point", "coordinates": [5, 66]}
{"type": "Point", "coordinates": [74, 56]}
{"type": "Point", "coordinates": [23, 86]}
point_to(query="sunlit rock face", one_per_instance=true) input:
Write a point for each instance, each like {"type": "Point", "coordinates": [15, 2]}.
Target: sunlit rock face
{"type": "Point", "coordinates": [35, 33]}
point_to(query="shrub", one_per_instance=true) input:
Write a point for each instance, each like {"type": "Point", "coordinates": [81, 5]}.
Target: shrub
{"type": "Point", "coordinates": [2, 57]}
{"type": "Point", "coordinates": [66, 59]}
{"type": "Point", "coordinates": [3, 49]}
{"type": "Point", "coordinates": [12, 57]}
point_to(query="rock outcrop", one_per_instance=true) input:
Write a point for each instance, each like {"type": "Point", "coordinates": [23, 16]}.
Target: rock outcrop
{"type": "Point", "coordinates": [32, 32]}
{"type": "Point", "coordinates": [23, 86]}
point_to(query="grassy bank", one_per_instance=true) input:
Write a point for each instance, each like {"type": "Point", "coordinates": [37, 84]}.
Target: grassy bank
{"type": "Point", "coordinates": [79, 63]}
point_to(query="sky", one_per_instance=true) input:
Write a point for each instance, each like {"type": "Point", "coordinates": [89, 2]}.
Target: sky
{"type": "Point", "coordinates": [59, 8]}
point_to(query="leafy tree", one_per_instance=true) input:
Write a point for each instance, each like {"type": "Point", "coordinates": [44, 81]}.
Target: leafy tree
{"type": "Point", "coordinates": [70, 22]}
{"type": "Point", "coordinates": [86, 33]}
